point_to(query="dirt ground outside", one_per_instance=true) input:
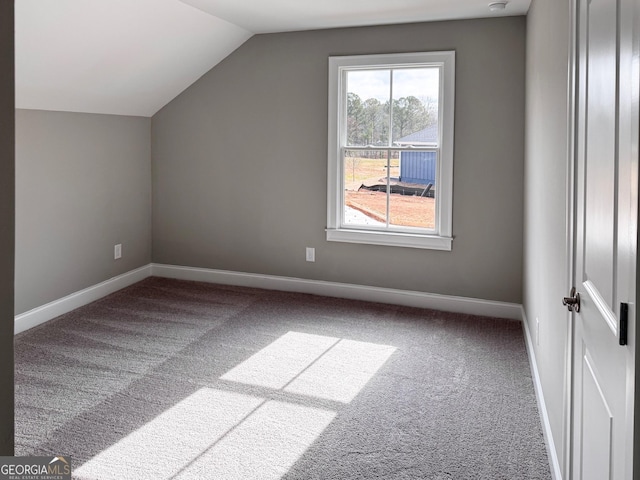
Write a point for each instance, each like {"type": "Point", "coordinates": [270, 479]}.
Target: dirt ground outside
{"type": "Point", "coordinates": [406, 211]}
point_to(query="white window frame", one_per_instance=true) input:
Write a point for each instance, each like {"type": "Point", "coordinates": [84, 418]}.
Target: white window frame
{"type": "Point", "coordinates": [442, 238]}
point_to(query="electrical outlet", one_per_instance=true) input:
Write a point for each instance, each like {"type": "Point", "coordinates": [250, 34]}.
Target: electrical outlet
{"type": "Point", "coordinates": [117, 251]}
{"type": "Point", "coordinates": [311, 254]}
{"type": "Point", "coordinates": [537, 331]}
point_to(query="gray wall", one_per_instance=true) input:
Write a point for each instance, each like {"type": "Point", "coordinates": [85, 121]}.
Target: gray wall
{"type": "Point", "coordinates": [6, 226]}
{"type": "Point", "coordinates": [240, 163]}
{"type": "Point", "coordinates": [83, 184]}
{"type": "Point", "coordinates": [546, 165]}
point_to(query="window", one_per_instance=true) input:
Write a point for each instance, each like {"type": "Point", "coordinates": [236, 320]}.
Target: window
{"type": "Point", "coordinates": [391, 149]}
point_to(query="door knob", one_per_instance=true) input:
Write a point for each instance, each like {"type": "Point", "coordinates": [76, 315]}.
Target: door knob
{"type": "Point", "coordinates": [572, 302]}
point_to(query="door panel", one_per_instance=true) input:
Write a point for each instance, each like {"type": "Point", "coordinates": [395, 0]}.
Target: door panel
{"type": "Point", "coordinates": [601, 147]}
{"type": "Point", "coordinates": [598, 421]}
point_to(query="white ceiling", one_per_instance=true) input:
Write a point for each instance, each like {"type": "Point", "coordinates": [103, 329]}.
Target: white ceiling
{"type": "Point", "coordinates": [260, 16]}
{"type": "Point", "coordinates": [131, 57]}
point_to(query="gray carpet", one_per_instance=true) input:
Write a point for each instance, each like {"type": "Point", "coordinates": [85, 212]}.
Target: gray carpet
{"type": "Point", "coordinates": [175, 379]}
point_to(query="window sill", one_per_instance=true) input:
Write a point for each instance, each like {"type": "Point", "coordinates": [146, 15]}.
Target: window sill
{"type": "Point", "coordinates": [432, 242]}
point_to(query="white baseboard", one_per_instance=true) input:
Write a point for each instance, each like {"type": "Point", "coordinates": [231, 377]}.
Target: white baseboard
{"type": "Point", "coordinates": [343, 290]}
{"type": "Point", "coordinates": [51, 310]}
{"type": "Point", "coordinates": [556, 471]}
{"type": "Point", "coordinates": [449, 303]}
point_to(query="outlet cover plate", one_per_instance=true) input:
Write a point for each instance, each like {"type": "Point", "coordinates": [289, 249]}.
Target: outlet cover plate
{"type": "Point", "coordinates": [311, 254]}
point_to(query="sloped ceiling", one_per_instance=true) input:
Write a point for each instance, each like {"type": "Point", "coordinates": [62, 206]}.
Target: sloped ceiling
{"type": "Point", "coordinates": [132, 57]}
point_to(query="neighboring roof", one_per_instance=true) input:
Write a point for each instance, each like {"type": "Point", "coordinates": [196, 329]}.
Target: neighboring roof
{"type": "Point", "coordinates": [425, 136]}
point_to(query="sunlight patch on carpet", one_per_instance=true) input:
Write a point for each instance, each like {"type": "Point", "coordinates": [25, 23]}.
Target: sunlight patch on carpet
{"type": "Point", "coordinates": [313, 365]}
{"type": "Point", "coordinates": [224, 435]}
{"type": "Point", "coordinates": [280, 362]}
{"type": "Point", "coordinates": [265, 445]}
{"type": "Point", "coordinates": [341, 372]}
{"type": "Point", "coordinates": [167, 444]}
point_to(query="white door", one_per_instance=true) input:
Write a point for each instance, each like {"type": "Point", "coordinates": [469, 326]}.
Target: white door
{"type": "Point", "coordinates": [605, 239]}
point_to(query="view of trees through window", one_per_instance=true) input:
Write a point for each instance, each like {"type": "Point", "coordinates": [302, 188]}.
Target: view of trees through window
{"type": "Point", "coordinates": [368, 120]}
{"type": "Point", "coordinates": [392, 141]}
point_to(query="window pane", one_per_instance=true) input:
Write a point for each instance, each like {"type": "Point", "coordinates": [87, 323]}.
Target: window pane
{"type": "Point", "coordinates": [412, 199]}
{"type": "Point", "coordinates": [415, 106]}
{"type": "Point", "coordinates": [365, 188]}
{"type": "Point", "coordinates": [368, 94]}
